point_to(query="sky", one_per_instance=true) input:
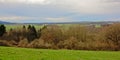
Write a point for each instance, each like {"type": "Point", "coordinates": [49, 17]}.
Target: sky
{"type": "Point", "coordinates": [42, 11]}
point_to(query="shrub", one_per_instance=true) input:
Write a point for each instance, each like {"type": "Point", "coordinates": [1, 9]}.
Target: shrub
{"type": "Point", "coordinates": [78, 32]}
{"type": "Point", "coordinates": [71, 43]}
{"type": "Point", "coordinates": [52, 34]}
{"type": "Point", "coordinates": [23, 43]}
{"type": "Point", "coordinates": [112, 35]}
{"type": "Point", "coordinates": [38, 43]}
{"type": "Point", "coordinates": [7, 43]}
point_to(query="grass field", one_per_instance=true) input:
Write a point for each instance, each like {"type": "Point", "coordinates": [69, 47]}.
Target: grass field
{"type": "Point", "coordinates": [12, 53]}
{"type": "Point", "coordinates": [19, 26]}
{"type": "Point", "coordinates": [37, 26]}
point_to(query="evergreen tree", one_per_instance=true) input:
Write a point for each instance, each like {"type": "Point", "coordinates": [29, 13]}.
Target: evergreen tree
{"type": "Point", "coordinates": [2, 30]}
{"type": "Point", "coordinates": [32, 33]}
{"type": "Point", "coordinates": [29, 27]}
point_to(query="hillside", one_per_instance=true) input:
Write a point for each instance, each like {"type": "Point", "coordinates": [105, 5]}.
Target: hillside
{"type": "Point", "coordinates": [10, 53]}
{"type": "Point", "coordinates": [3, 22]}
{"type": "Point", "coordinates": [82, 22]}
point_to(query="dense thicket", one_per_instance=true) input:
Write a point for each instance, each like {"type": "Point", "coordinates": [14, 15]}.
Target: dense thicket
{"type": "Point", "coordinates": [76, 37]}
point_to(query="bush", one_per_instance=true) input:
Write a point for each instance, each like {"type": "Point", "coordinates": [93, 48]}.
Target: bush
{"type": "Point", "coordinates": [23, 43]}
{"type": "Point", "coordinates": [52, 34]}
{"type": "Point", "coordinates": [71, 43]}
{"type": "Point", "coordinates": [78, 32]}
{"type": "Point", "coordinates": [38, 43]}
{"type": "Point", "coordinates": [7, 43]}
{"type": "Point", "coordinates": [112, 34]}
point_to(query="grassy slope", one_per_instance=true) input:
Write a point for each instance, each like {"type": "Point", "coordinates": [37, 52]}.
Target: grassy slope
{"type": "Point", "coordinates": [11, 53]}
{"type": "Point", "coordinates": [8, 27]}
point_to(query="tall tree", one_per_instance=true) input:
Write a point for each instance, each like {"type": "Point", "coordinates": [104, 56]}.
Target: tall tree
{"type": "Point", "coordinates": [112, 34]}
{"type": "Point", "coordinates": [32, 33]}
{"type": "Point", "coordinates": [2, 30]}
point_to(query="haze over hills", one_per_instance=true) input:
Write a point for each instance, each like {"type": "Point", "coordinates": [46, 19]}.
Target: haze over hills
{"type": "Point", "coordinates": [4, 22]}
{"type": "Point", "coordinates": [82, 22]}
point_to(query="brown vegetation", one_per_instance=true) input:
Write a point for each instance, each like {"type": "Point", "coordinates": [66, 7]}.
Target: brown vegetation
{"type": "Point", "coordinates": [55, 37]}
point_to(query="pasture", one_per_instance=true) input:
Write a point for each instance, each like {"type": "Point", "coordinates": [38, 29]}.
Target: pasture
{"type": "Point", "coordinates": [19, 26]}
{"type": "Point", "coordinates": [14, 53]}
{"type": "Point", "coordinates": [38, 26]}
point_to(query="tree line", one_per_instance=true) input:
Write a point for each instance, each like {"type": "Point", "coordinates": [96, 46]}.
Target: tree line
{"type": "Point", "coordinates": [56, 37]}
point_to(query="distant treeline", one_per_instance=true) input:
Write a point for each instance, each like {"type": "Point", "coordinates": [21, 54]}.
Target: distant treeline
{"type": "Point", "coordinates": [56, 37]}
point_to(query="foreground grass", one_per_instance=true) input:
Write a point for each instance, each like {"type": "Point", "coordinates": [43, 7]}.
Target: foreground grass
{"type": "Point", "coordinates": [12, 53]}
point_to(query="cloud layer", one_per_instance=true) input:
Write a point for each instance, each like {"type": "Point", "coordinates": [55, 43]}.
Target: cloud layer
{"type": "Point", "coordinates": [42, 2]}
{"type": "Point", "coordinates": [24, 18]}
{"type": "Point", "coordinates": [58, 10]}
{"type": "Point", "coordinates": [80, 6]}
{"type": "Point", "coordinates": [91, 6]}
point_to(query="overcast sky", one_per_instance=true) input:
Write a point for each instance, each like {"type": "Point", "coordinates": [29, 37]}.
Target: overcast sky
{"type": "Point", "coordinates": [59, 10]}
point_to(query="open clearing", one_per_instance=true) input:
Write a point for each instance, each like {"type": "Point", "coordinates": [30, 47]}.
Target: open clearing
{"type": "Point", "coordinates": [12, 53]}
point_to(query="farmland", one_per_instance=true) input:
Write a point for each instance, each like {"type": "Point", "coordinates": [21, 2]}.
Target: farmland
{"type": "Point", "coordinates": [13, 53]}
{"type": "Point", "coordinates": [38, 26]}
{"type": "Point", "coordinates": [19, 26]}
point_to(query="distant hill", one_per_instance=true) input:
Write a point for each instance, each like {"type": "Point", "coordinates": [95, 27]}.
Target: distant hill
{"type": "Point", "coordinates": [3, 22]}
{"type": "Point", "coordinates": [82, 22]}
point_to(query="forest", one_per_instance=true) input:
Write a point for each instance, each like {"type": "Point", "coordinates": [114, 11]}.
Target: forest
{"type": "Point", "coordinates": [74, 37]}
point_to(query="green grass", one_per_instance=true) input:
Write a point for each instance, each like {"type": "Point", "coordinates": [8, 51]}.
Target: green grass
{"type": "Point", "coordinates": [19, 26]}
{"type": "Point", "coordinates": [98, 26]}
{"type": "Point", "coordinates": [12, 53]}
{"type": "Point", "coordinates": [64, 26]}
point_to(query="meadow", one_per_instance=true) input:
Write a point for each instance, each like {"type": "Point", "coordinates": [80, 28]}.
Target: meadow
{"type": "Point", "coordinates": [19, 26]}
{"type": "Point", "coordinates": [14, 53]}
{"type": "Point", "coordinates": [38, 26]}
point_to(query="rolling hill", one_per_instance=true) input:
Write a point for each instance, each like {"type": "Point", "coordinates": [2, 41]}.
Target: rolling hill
{"type": "Point", "coordinates": [3, 22]}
